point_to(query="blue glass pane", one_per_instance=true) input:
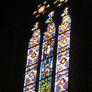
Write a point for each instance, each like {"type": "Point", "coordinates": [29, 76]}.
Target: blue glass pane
{"type": "Point", "coordinates": [46, 68]}
{"type": "Point", "coordinates": [45, 85]}
{"type": "Point", "coordinates": [47, 49]}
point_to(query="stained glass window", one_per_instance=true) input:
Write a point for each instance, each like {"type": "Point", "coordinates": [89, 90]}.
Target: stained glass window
{"type": "Point", "coordinates": [46, 68]}
{"type": "Point", "coordinates": [61, 83]}
{"type": "Point", "coordinates": [30, 75]}
{"type": "Point", "coordinates": [62, 63]}
{"type": "Point", "coordinates": [32, 60]}
{"type": "Point", "coordinates": [33, 55]}
{"type": "Point", "coordinates": [48, 55]}
{"type": "Point", "coordinates": [63, 41]}
{"type": "Point", "coordinates": [35, 40]}
{"type": "Point", "coordinates": [47, 49]}
{"type": "Point", "coordinates": [45, 85]}
{"type": "Point", "coordinates": [30, 88]}
{"type": "Point", "coordinates": [51, 31]}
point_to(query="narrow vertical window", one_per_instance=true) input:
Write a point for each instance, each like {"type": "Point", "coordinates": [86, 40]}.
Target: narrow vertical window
{"type": "Point", "coordinates": [47, 56]}
{"type": "Point", "coordinates": [62, 63]}
{"type": "Point", "coordinates": [47, 67]}
{"type": "Point", "coordinates": [32, 60]}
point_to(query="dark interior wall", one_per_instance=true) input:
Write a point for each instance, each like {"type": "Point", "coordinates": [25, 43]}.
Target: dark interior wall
{"type": "Point", "coordinates": [15, 21]}
{"type": "Point", "coordinates": [16, 17]}
{"type": "Point", "coordinates": [81, 36]}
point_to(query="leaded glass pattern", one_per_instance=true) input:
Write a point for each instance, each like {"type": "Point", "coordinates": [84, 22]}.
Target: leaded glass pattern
{"type": "Point", "coordinates": [61, 81]}
{"type": "Point", "coordinates": [35, 40]}
{"type": "Point", "coordinates": [33, 55]}
{"type": "Point", "coordinates": [63, 41]}
{"type": "Point", "coordinates": [30, 76]}
{"type": "Point", "coordinates": [46, 68]}
{"type": "Point", "coordinates": [30, 88]}
{"type": "Point", "coordinates": [62, 61]}
{"type": "Point", "coordinates": [51, 31]}
{"type": "Point", "coordinates": [32, 60]}
{"type": "Point", "coordinates": [49, 54]}
{"type": "Point", "coordinates": [47, 49]}
{"type": "Point", "coordinates": [47, 59]}
{"type": "Point", "coordinates": [45, 85]}
{"type": "Point", "coordinates": [65, 23]}
{"type": "Point", "coordinates": [63, 45]}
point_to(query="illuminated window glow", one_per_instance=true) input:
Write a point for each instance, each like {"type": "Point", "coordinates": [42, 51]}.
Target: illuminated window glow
{"type": "Point", "coordinates": [30, 75]}
{"type": "Point", "coordinates": [41, 9]}
{"type": "Point", "coordinates": [51, 31]}
{"type": "Point", "coordinates": [47, 49]}
{"type": "Point", "coordinates": [62, 64]}
{"type": "Point", "coordinates": [48, 52]}
{"type": "Point", "coordinates": [32, 60]}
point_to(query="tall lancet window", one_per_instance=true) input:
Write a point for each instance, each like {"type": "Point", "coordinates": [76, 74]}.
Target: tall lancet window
{"type": "Point", "coordinates": [47, 67]}
{"type": "Point", "coordinates": [62, 63]}
{"type": "Point", "coordinates": [47, 56]}
{"type": "Point", "coordinates": [32, 60]}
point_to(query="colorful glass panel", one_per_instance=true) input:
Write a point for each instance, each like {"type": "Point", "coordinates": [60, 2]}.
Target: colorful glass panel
{"type": "Point", "coordinates": [61, 82]}
{"type": "Point", "coordinates": [62, 61]}
{"type": "Point", "coordinates": [41, 9]}
{"type": "Point", "coordinates": [65, 24]}
{"type": "Point", "coordinates": [63, 41]}
{"type": "Point", "coordinates": [46, 68]}
{"type": "Point", "coordinates": [30, 76]}
{"type": "Point", "coordinates": [30, 88]}
{"type": "Point", "coordinates": [45, 85]}
{"type": "Point", "coordinates": [47, 49]}
{"type": "Point", "coordinates": [32, 60]}
{"type": "Point", "coordinates": [35, 40]}
{"type": "Point", "coordinates": [33, 55]}
{"type": "Point", "coordinates": [50, 31]}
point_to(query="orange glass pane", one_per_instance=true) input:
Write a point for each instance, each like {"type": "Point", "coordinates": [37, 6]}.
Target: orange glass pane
{"type": "Point", "coordinates": [41, 9]}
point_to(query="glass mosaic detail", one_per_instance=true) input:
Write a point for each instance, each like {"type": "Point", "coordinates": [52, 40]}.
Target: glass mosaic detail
{"type": "Point", "coordinates": [66, 22]}
{"type": "Point", "coordinates": [30, 88]}
{"type": "Point", "coordinates": [50, 31]}
{"type": "Point", "coordinates": [62, 61]}
{"type": "Point", "coordinates": [33, 55]}
{"type": "Point", "coordinates": [41, 9]}
{"type": "Point", "coordinates": [47, 52]}
{"type": "Point", "coordinates": [35, 40]}
{"type": "Point", "coordinates": [47, 56]}
{"type": "Point", "coordinates": [47, 49]}
{"type": "Point", "coordinates": [32, 60]}
{"type": "Point", "coordinates": [45, 85]}
{"type": "Point", "coordinates": [61, 82]}
{"type": "Point", "coordinates": [63, 42]}
{"type": "Point", "coordinates": [30, 75]}
{"type": "Point", "coordinates": [58, 3]}
{"type": "Point", "coordinates": [46, 68]}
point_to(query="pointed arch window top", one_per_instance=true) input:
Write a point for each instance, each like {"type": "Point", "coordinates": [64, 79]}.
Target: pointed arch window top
{"type": "Point", "coordinates": [50, 19]}
{"type": "Point", "coordinates": [47, 68]}
{"type": "Point", "coordinates": [66, 22]}
{"type": "Point", "coordinates": [35, 39]}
